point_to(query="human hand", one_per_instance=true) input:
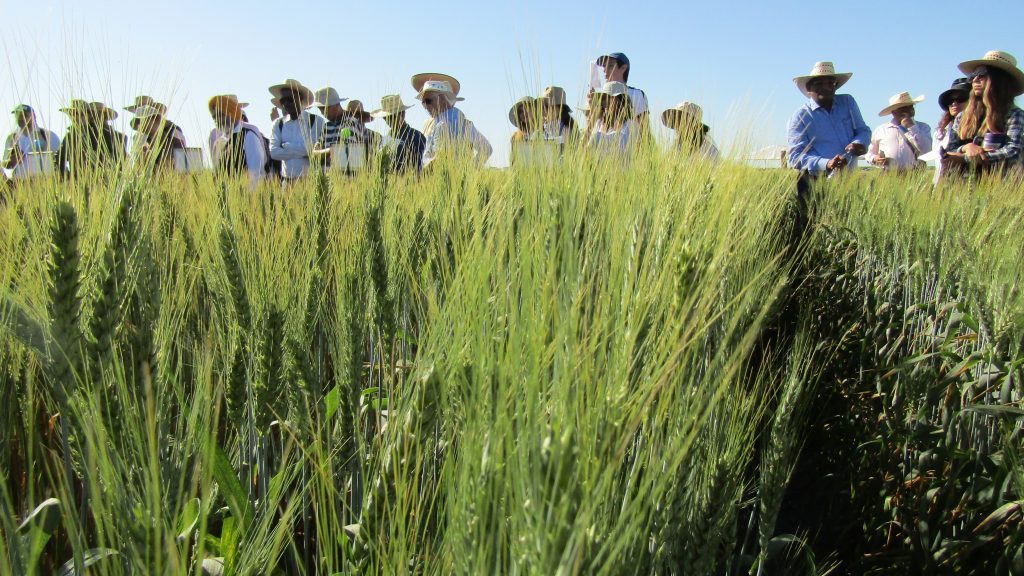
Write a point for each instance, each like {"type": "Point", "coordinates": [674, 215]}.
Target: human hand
{"type": "Point", "coordinates": [856, 148]}
{"type": "Point", "coordinates": [16, 155]}
{"type": "Point", "coordinates": [837, 162]}
{"type": "Point", "coordinates": [274, 114]}
{"type": "Point", "coordinates": [907, 122]}
{"type": "Point", "coordinates": [972, 152]}
{"type": "Point", "coordinates": [880, 161]}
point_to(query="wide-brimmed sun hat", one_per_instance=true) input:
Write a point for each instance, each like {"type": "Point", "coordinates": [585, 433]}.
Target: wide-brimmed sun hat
{"type": "Point", "coordinates": [305, 95]}
{"type": "Point", "coordinates": [553, 96]}
{"type": "Point", "coordinates": [524, 102]}
{"type": "Point", "coordinates": [355, 108]}
{"type": "Point", "coordinates": [226, 104]}
{"type": "Point", "coordinates": [997, 59]}
{"type": "Point", "coordinates": [141, 101]}
{"type": "Point", "coordinates": [610, 90]}
{"type": "Point", "coordinates": [419, 81]}
{"type": "Point", "coordinates": [390, 105]}
{"type": "Point", "coordinates": [684, 111]}
{"type": "Point", "coordinates": [960, 87]}
{"type": "Point", "coordinates": [96, 109]}
{"type": "Point", "coordinates": [822, 70]}
{"type": "Point", "coordinates": [327, 96]}
{"type": "Point", "coordinates": [439, 87]}
{"type": "Point", "coordinates": [899, 101]}
{"type": "Point", "coordinates": [143, 112]}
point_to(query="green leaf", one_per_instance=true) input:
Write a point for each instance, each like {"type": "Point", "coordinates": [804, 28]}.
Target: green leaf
{"type": "Point", "coordinates": [45, 517]}
{"type": "Point", "coordinates": [188, 519]}
{"type": "Point", "coordinates": [90, 558]}
{"type": "Point", "coordinates": [996, 410]}
{"type": "Point", "coordinates": [234, 491]}
{"type": "Point", "coordinates": [331, 402]}
{"type": "Point", "coordinates": [999, 517]}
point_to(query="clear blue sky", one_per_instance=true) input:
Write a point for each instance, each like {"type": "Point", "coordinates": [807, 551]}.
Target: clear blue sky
{"type": "Point", "coordinates": [736, 59]}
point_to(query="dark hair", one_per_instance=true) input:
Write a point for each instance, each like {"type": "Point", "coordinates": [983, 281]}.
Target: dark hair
{"type": "Point", "coordinates": [566, 118]}
{"type": "Point", "coordinates": [693, 140]}
{"type": "Point", "coordinates": [625, 75]}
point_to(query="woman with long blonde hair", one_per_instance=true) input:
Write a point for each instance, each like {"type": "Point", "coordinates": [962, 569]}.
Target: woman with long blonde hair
{"type": "Point", "coordinates": [988, 133]}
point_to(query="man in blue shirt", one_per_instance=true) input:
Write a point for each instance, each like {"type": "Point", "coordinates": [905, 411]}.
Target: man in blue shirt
{"type": "Point", "coordinates": [828, 132]}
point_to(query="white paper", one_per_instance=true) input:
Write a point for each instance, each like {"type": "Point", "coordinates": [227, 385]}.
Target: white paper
{"type": "Point", "coordinates": [596, 75]}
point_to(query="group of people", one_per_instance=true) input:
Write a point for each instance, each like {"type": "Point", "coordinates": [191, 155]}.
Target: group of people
{"type": "Point", "coordinates": [617, 118]}
{"type": "Point", "coordinates": [980, 128]}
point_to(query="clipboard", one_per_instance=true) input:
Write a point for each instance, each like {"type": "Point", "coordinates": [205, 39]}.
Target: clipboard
{"type": "Point", "coordinates": [348, 157]}
{"type": "Point", "coordinates": [38, 163]}
{"type": "Point", "coordinates": [188, 160]}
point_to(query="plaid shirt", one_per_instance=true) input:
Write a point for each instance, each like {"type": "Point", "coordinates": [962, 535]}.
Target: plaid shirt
{"type": "Point", "coordinates": [1010, 154]}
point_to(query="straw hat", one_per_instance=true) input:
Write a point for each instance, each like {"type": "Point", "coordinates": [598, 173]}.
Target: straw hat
{"type": "Point", "coordinates": [144, 112]}
{"type": "Point", "coordinates": [960, 86]}
{"type": "Point", "coordinates": [389, 106]}
{"type": "Point", "coordinates": [96, 109]}
{"type": "Point", "coordinates": [1001, 60]}
{"type": "Point", "coordinates": [553, 96]}
{"type": "Point", "coordinates": [688, 110]}
{"type": "Point", "coordinates": [899, 101]}
{"type": "Point", "coordinates": [419, 81]}
{"type": "Point", "coordinates": [141, 101]}
{"type": "Point", "coordinates": [327, 96]}
{"type": "Point", "coordinates": [235, 98]}
{"type": "Point", "coordinates": [305, 95]}
{"type": "Point", "coordinates": [610, 89]}
{"type": "Point", "coordinates": [228, 105]}
{"type": "Point", "coordinates": [355, 108]}
{"type": "Point", "coordinates": [513, 113]}
{"type": "Point", "coordinates": [822, 70]}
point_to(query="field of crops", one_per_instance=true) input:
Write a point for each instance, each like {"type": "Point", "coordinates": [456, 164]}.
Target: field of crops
{"type": "Point", "coordinates": [588, 370]}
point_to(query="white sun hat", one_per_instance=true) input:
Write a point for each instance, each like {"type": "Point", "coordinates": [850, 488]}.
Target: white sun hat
{"type": "Point", "coordinates": [822, 70]}
{"type": "Point", "coordinates": [390, 105]}
{"type": "Point", "coordinates": [612, 89]}
{"type": "Point", "coordinates": [141, 101]}
{"type": "Point", "coordinates": [685, 110]}
{"type": "Point", "coordinates": [327, 96]}
{"type": "Point", "coordinates": [304, 94]}
{"type": "Point", "coordinates": [899, 101]}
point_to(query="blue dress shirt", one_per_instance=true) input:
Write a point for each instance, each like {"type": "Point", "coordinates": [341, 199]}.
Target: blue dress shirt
{"type": "Point", "coordinates": [817, 135]}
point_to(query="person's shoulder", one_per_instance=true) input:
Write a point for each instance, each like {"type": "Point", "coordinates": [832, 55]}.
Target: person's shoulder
{"type": "Point", "coordinates": [846, 99]}
{"type": "Point", "coordinates": [801, 113]}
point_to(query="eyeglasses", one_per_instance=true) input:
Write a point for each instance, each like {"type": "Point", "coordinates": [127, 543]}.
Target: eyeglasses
{"type": "Point", "coordinates": [429, 100]}
{"type": "Point", "coordinates": [980, 72]}
{"type": "Point", "coordinates": [960, 99]}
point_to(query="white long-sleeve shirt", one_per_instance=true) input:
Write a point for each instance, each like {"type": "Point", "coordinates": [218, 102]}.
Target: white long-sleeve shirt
{"type": "Point", "coordinates": [292, 140]}
{"type": "Point", "coordinates": [449, 128]}
{"type": "Point", "coordinates": [255, 154]}
{"type": "Point", "coordinates": [892, 139]}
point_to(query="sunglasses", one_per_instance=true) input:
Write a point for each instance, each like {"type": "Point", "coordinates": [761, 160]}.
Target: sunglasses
{"type": "Point", "coordinates": [960, 99]}
{"type": "Point", "coordinates": [429, 100]}
{"type": "Point", "coordinates": [980, 72]}
{"type": "Point", "coordinates": [827, 83]}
